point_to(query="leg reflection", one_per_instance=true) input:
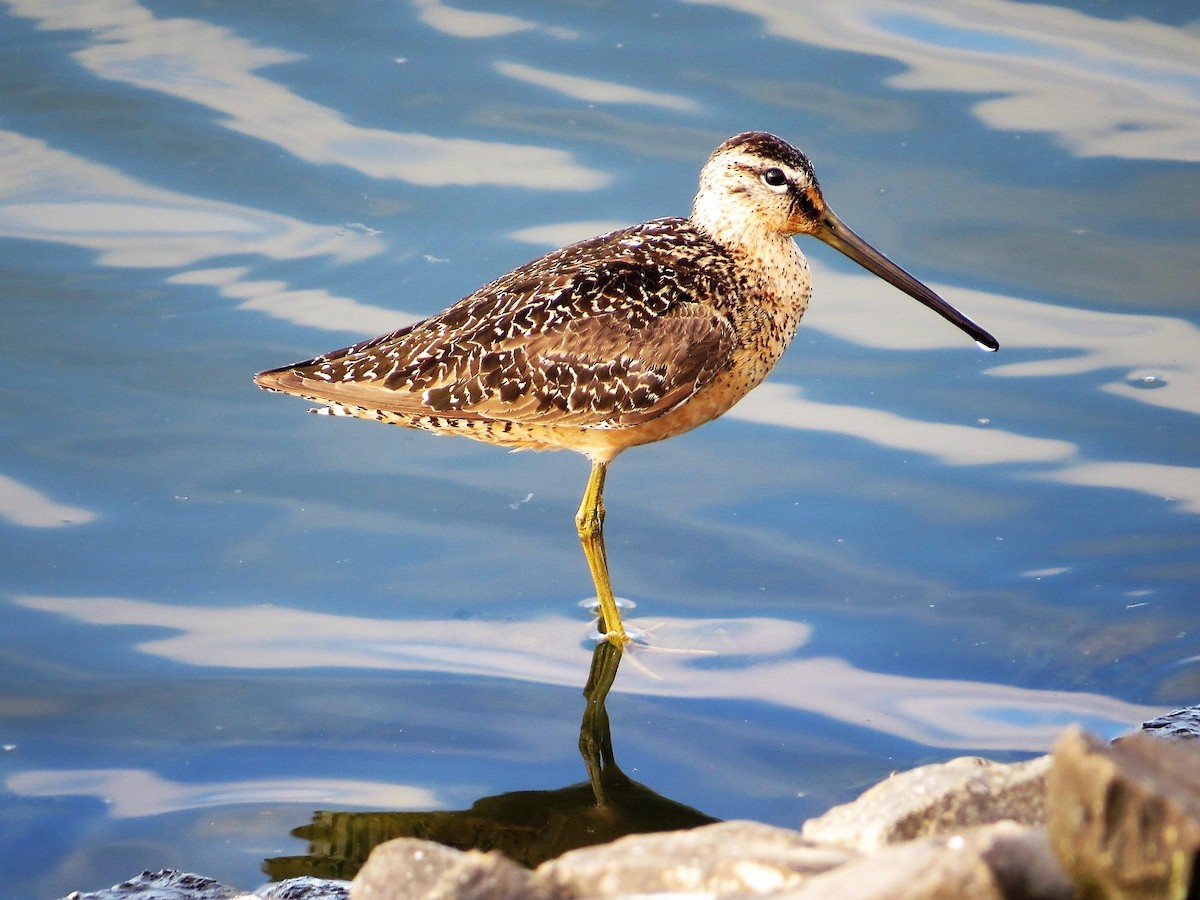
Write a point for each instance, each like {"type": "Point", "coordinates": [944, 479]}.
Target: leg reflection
{"type": "Point", "coordinates": [595, 736]}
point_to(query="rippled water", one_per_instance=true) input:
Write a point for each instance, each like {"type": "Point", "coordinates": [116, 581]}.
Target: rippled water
{"type": "Point", "coordinates": [221, 614]}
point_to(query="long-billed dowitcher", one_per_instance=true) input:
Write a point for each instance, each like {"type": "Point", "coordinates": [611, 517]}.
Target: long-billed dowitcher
{"type": "Point", "coordinates": [620, 340]}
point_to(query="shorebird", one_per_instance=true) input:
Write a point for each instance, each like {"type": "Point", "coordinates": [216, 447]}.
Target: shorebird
{"type": "Point", "coordinates": [619, 340]}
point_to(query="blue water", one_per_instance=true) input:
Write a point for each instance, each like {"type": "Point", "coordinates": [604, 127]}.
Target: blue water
{"type": "Point", "coordinates": [221, 614]}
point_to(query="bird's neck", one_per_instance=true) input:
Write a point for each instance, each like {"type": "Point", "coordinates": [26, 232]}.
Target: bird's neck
{"type": "Point", "coordinates": [773, 272]}
{"type": "Point", "coordinates": [732, 225]}
{"type": "Point", "coordinates": [739, 227]}
{"type": "Point", "coordinates": [771, 255]}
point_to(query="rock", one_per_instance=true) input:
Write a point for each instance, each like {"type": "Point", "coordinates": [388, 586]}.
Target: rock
{"type": "Point", "coordinates": [934, 799]}
{"type": "Point", "coordinates": [1124, 818]}
{"type": "Point", "coordinates": [1181, 724]}
{"type": "Point", "coordinates": [412, 868]}
{"type": "Point", "coordinates": [1002, 861]}
{"type": "Point", "coordinates": [726, 859]}
{"type": "Point", "coordinates": [304, 888]}
{"type": "Point", "coordinates": [167, 884]}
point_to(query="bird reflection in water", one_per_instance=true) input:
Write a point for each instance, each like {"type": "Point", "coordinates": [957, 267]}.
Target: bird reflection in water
{"type": "Point", "coordinates": [529, 827]}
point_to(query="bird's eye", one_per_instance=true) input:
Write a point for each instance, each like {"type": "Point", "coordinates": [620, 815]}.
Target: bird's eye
{"type": "Point", "coordinates": [774, 178]}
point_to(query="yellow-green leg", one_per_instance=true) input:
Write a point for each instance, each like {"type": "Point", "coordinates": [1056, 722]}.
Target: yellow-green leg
{"type": "Point", "coordinates": [590, 522]}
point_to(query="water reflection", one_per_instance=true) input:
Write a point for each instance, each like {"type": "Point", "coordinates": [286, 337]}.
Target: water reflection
{"type": "Point", "coordinates": [133, 793]}
{"type": "Point", "coordinates": [1177, 486]}
{"type": "Point", "coordinates": [310, 307]}
{"type": "Point", "coordinates": [955, 445]}
{"type": "Point", "coordinates": [472, 24]}
{"type": "Point", "coordinates": [1103, 87]}
{"type": "Point", "coordinates": [1113, 347]}
{"type": "Point", "coordinates": [1067, 340]}
{"type": "Point", "coordinates": [592, 90]}
{"type": "Point", "coordinates": [129, 223]}
{"type": "Point", "coordinates": [28, 507]}
{"type": "Point", "coordinates": [758, 660]}
{"type": "Point", "coordinates": [209, 65]}
{"type": "Point", "coordinates": [529, 827]}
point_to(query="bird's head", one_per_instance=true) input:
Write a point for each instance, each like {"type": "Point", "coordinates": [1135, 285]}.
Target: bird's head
{"type": "Point", "coordinates": [756, 182]}
{"type": "Point", "coordinates": [757, 187]}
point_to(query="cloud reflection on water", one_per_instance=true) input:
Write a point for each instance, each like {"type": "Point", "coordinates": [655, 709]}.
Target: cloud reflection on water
{"type": "Point", "coordinates": [757, 661]}
{"type": "Point", "coordinates": [51, 195]}
{"type": "Point", "coordinates": [954, 445]}
{"type": "Point", "coordinates": [862, 310]}
{"type": "Point", "coordinates": [962, 445]}
{"type": "Point", "coordinates": [131, 793]}
{"type": "Point", "coordinates": [30, 508]}
{"type": "Point", "coordinates": [310, 307]}
{"type": "Point", "coordinates": [471, 24]}
{"type": "Point", "coordinates": [593, 90]}
{"type": "Point", "coordinates": [559, 234]}
{"type": "Point", "coordinates": [48, 194]}
{"type": "Point", "coordinates": [1128, 88]}
{"type": "Point", "coordinates": [209, 65]}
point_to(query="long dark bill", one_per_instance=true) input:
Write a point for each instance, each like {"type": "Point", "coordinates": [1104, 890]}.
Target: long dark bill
{"type": "Point", "coordinates": [834, 232]}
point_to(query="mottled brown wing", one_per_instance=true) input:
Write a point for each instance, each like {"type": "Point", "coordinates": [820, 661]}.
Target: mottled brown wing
{"type": "Point", "coordinates": [599, 334]}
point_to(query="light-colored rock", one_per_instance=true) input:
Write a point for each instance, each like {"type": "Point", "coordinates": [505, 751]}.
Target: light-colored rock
{"type": "Point", "coordinates": [168, 884]}
{"type": "Point", "coordinates": [411, 869]}
{"type": "Point", "coordinates": [1003, 861]}
{"type": "Point", "coordinates": [934, 799]}
{"type": "Point", "coordinates": [1124, 818]}
{"type": "Point", "coordinates": [727, 859]}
